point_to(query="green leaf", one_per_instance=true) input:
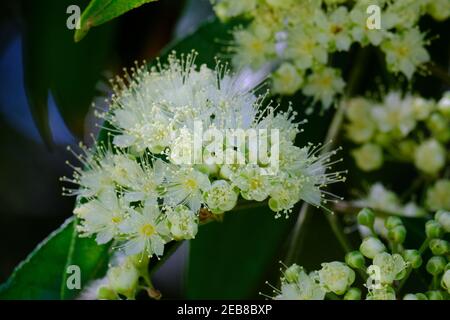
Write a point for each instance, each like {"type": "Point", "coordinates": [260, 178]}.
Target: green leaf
{"type": "Point", "coordinates": [54, 64]}
{"type": "Point", "coordinates": [230, 260]}
{"type": "Point", "coordinates": [101, 11]}
{"type": "Point", "coordinates": [42, 275]}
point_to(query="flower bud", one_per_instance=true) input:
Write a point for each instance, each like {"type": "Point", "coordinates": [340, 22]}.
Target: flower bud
{"type": "Point", "coordinates": [443, 217]}
{"type": "Point", "coordinates": [392, 222]}
{"type": "Point", "coordinates": [439, 247]}
{"type": "Point", "coordinates": [435, 295]}
{"type": "Point", "coordinates": [368, 157]}
{"type": "Point", "coordinates": [291, 274]}
{"type": "Point", "coordinates": [123, 279]}
{"type": "Point", "coordinates": [106, 293]}
{"type": "Point", "coordinates": [436, 265]}
{"type": "Point", "coordinates": [371, 246]}
{"type": "Point", "coordinates": [430, 156]}
{"type": "Point", "coordinates": [397, 234]}
{"type": "Point", "coordinates": [413, 257]}
{"type": "Point", "coordinates": [433, 229]}
{"type": "Point", "coordinates": [353, 294]}
{"type": "Point", "coordinates": [410, 296]}
{"type": "Point", "coordinates": [421, 296]}
{"type": "Point", "coordinates": [366, 217]}
{"type": "Point", "coordinates": [355, 260]}
{"type": "Point", "coordinates": [445, 282]}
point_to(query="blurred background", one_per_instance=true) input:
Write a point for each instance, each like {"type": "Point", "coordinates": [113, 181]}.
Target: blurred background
{"type": "Point", "coordinates": [47, 85]}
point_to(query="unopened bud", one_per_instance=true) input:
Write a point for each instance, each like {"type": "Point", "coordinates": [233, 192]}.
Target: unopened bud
{"type": "Point", "coordinates": [371, 246]}
{"type": "Point", "coordinates": [433, 229]}
{"type": "Point", "coordinates": [413, 257]}
{"type": "Point", "coordinates": [355, 259]}
{"type": "Point", "coordinates": [439, 247]}
{"type": "Point", "coordinates": [436, 265]}
{"type": "Point", "coordinates": [353, 294]}
{"type": "Point", "coordinates": [366, 217]}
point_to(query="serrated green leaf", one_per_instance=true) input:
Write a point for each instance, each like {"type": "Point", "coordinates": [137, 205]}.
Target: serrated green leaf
{"type": "Point", "coordinates": [42, 275]}
{"type": "Point", "coordinates": [101, 11]}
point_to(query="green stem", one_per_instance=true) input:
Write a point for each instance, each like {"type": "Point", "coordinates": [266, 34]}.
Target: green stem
{"type": "Point", "coordinates": [338, 232]}
{"type": "Point", "coordinates": [298, 238]}
{"type": "Point", "coordinates": [421, 250]}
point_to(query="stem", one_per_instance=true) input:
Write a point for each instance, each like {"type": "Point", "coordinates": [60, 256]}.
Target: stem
{"type": "Point", "coordinates": [297, 240]}
{"type": "Point", "coordinates": [422, 248]}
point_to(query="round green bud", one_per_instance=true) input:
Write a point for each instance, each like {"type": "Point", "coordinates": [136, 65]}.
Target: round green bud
{"type": "Point", "coordinates": [392, 222]}
{"type": "Point", "coordinates": [413, 257]}
{"type": "Point", "coordinates": [410, 296]}
{"type": "Point", "coordinates": [366, 217]}
{"type": "Point", "coordinates": [291, 273]}
{"type": "Point", "coordinates": [106, 293]}
{"type": "Point", "coordinates": [436, 265]}
{"type": "Point", "coordinates": [443, 217]}
{"type": "Point", "coordinates": [397, 234]}
{"type": "Point", "coordinates": [421, 296]}
{"type": "Point", "coordinates": [433, 229]}
{"type": "Point", "coordinates": [439, 247]}
{"type": "Point", "coordinates": [355, 259]}
{"type": "Point", "coordinates": [435, 295]}
{"type": "Point", "coordinates": [371, 246]}
{"type": "Point", "coordinates": [353, 294]}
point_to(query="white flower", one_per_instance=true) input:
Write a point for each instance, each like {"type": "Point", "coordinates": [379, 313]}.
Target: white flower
{"type": "Point", "coordinates": [287, 79]}
{"type": "Point", "coordinates": [385, 293]}
{"type": "Point", "coordinates": [323, 84]}
{"type": "Point", "coordinates": [253, 184]}
{"type": "Point", "coordinates": [304, 288]}
{"type": "Point", "coordinates": [145, 231]}
{"type": "Point", "coordinates": [390, 266]}
{"type": "Point", "coordinates": [438, 195]}
{"type": "Point", "coordinates": [380, 198]}
{"type": "Point", "coordinates": [183, 222]}
{"type": "Point", "coordinates": [102, 216]}
{"type": "Point", "coordinates": [336, 277]}
{"type": "Point", "coordinates": [395, 115]}
{"type": "Point", "coordinates": [368, 157]}
{"type": "Point", "coordinates": [185, 185]}
{"type": "Point", "coordinates": [405, 52]}
{"type": "Point", "coordinates": [304, 49]}
{"type": "Point", "coordinates": [220, 197]}
{"type": "Point", "coordinates": [430, 156]}
{"type": "Point", "coordinates": [284, 195]}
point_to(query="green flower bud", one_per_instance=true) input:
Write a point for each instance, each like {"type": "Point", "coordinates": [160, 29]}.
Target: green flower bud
{"type": "Point", "coordinates": [106, 293]}
{"type": "Point", "coordinates": [355, 259]}
{"type": "Point", "coordinates": [366, 217]}
{"type": "Point", "coordinates": [433, 229]}
{"type": "Point", "coordinates": [413, 257]}
{"type": "Point", "coordinates": [435, 295]}
{"type": "Point", "coordinates": [371, 246]}
{"type": "Point", "coordinates": [443, 217]}
{"type": "Point", "coordinates": [436, 265]}
{"type": "Point", "coordinates": [445, 282]}
{"type": "Point", "coordinates": [353, 294]}
{"type": "Point", "coordinates": [291, 274]}
{"type": "Point", "coordinates": [439, 247]}
{"type": "Point", "coordinates": [392, 222]}
{"type": "Point", "coordinates": [421, 296]}
{"type": "Point", "coordinates": [397, 234]}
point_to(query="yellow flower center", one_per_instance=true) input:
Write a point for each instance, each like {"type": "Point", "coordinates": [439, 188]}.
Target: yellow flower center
{"type": "Point", "coordinates": [255, 183]}
{"type": "Point", "coordinates": [191, 183]}
{"type": "Point", "coordinates": [147, 230]}
{"type": "Point", "coordinates": [116, 219]}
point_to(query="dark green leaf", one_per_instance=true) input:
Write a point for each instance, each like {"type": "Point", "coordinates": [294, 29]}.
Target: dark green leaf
{"type": "Point", "coordinates": [42, 275]}
{"type": "Point", "coordinates": [101, 11]}
{"type": "Point", "coordinates": [54, 64]}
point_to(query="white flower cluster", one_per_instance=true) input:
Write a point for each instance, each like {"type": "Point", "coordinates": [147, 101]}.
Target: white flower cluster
{"type": "Point", "coordinates": [132, 190]}
{"type": "Point", "coordinates": [302, 34]}
{"type": "Point", "coordinates": [385, 275]}
{"type": "Point", "coordinates": [407, 129]}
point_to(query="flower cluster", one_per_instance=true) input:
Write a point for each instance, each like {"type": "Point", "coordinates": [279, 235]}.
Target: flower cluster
{"type": "Point", "coordinates": [145, 187]}
{"type": "Point", "coordinates": [385, 273]}
{"type": "Point", "coordinates": [407, 129]}
{"type": "Point", "coordinates": [301, 35]}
